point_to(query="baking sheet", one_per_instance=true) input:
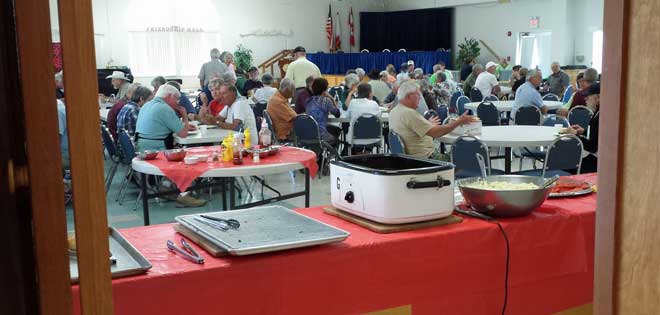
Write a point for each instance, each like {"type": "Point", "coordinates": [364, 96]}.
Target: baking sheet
{"type": "Point", "coordinates": [572, 193]}
{"type": "Point", "coordinates": [129, 260]}
{"type": "Point", "coordinates": [265, 229]}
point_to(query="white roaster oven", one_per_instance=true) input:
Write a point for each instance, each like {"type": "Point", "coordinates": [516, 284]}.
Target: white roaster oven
{"type": "Point", "coordinates": [392, 188]}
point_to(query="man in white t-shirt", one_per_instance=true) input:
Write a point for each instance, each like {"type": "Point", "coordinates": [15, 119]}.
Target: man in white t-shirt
{"type": "Point", "coordinates": [487, 82]}
{"type": "Point", "coordinates": [361, 104]}
{"type": "Point", "coordinates": [237, 114]}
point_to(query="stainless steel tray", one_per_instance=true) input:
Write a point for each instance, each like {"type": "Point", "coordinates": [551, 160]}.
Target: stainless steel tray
{"type": "Point", "coordinates": [129, 260]}
{"type": "Point", "coordinates": [265, 229]}
{"type": "Point", "coordinates": [572, 193]}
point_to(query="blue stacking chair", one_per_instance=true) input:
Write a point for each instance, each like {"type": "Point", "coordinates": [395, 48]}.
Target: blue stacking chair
{"type": "Point", "coordinates": [367, 132]}
{"type": "Point", "coordinates": [454, 99]}
{"type": "Point", "coordinates": [490, 98]}
{"type": "Point", "coordinates": [395, 143]}
{"type": "Point", "coordinates": [488, 113]}
{"type": "Point", "coordinates": [553, 120]}
{"type": "Point", "coordinates": [476, 96]}
{"type": "Point", "coordinates": [443, 112]}
{"type": "Point", "coordinates": [113, 153]}
{"type": "Point", "coordinates": [551, 97]}
{"type": "Point", "coordinates": [460, 104]}
{"type": "Point", "coordinates": [307, 135]}
{"type": "Point", "coordinates": [565, 153]}
{"type": "Point", "coordinates": [580, 115]}
{"type": "Point", "coordinates": [430, 113]}
{"type": "Point", "coordinates": [567, 94]}
{"type": "Point", "coordinates": [463, 155]}
{"type": "Point", "coordinates": [528, 116]}
{"type": "Point", "coordinates": [127, 155]}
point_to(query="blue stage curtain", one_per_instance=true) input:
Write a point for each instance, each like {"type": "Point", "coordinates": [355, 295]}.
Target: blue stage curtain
{"type": "Point", "coordinates": [339, 63]}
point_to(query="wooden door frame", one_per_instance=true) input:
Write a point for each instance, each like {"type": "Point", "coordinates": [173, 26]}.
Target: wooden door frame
{"type": "Point", "coordinates": [42, 143]}
{"type": "Point", "coordinates": [610, 162]}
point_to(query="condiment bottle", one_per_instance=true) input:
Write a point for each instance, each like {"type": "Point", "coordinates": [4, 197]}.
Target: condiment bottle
{"type": "Point", "coordinates": [237, 152]}
{"type": "Point", "coordinates": [247, 138]}
{"type": "Point", "coordinates": [264, 135]}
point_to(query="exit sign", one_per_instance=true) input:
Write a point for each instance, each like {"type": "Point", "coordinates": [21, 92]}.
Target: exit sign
{"type": "Point", "coordinates": [533, 22]}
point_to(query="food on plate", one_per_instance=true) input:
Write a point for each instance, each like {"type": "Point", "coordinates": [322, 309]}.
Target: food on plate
{"type": "Point", "coordinates": [565, 185]}
{"type": "Point", "coordinates": [496, 185]}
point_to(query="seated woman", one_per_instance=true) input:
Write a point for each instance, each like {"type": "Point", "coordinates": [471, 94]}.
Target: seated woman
{"type": "Point", "coordinates": [319, 106]}
{"type": "Point", "coordinates": [590, 143]}
{"type": "Point", "coordinates": [209, 111]}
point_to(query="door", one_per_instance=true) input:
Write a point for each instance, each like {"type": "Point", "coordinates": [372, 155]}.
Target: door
{"type": "Point", "coordinates": [535, 50]}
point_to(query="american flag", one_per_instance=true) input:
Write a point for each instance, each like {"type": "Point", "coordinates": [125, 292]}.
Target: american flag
{"type": "Point", "coordinates": [328, 29]}
{"type": "Point", "coordinates": [352, 27]}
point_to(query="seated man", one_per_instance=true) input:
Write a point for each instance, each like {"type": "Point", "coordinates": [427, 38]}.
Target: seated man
{"type": "Point", "coordinates": [252, 82]}
{"type": "Point", "coordinates": [280, 111]}
{"type": "Point", "coordinates": [127, 118]}
{"type": "Point", "coordinates": [119, 82]}
{"type": "Point", "coordinates": [209, 111]}
{"type": "Point", "coordinates": [237, 114]}
{"type": "Point", "coordinates": [417, 133]}
{"type": "Point", "coordinates": [158, 120]}
{"type": "Point", "coordinates": [528, 94]}
{"type": "Point", "coordinates": [183, 101]}
{"type": "Point", "coordinates": [59, 85]}
{"type": "Point", "coordinates": [379, 87]}
{"type": "Point", "coordinates": [111, 120]}
{"type": "Point", "coordinates": [155, 125]}
{"type": "Point", "coordinates": [590, 143]}
{"type": "Point", "coordinates": [263, 95]}
{"type": "Point", "coordinates": [157, 82]}
{"type": "Point", "coordinates": [468, 84]}
{"type": "Point", "coordinates": [487, 82]}
{"type": "Point", "coordinates": [361, 104]}
{"type": "Point", "coordinates": [440, 68]}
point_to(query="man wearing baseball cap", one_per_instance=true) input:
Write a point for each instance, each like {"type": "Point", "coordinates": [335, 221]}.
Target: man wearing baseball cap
{"type": "Point", "coordinates": [300, 69]}
{"type": "Point", "coordinates": [119, 82]}
{"type": "Point", "coordinates": [486, 82]}
{"type": "Point", "coordinates": [590, 141]}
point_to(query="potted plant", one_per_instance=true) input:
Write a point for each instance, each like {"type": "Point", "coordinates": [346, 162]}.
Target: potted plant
{"type": "Point", "coordinates": [243, 58]}
{"type": "Point", "coordinates": [468, 51]}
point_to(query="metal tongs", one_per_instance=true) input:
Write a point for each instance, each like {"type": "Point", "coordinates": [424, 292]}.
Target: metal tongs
{"type": "Point", "coordinates": [187, 252]}
{"type": "Point", "coordinates": [225, 223]}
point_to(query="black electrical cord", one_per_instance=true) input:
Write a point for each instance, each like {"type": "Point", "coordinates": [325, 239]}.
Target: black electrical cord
{"type": "Point", "coordinates": [487, 218]}
{"type": "Point", "coordinates": [506, 270]}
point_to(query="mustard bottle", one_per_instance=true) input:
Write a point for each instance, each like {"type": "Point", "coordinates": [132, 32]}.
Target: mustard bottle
{"type": "Point", "coordinates": [247, 140]}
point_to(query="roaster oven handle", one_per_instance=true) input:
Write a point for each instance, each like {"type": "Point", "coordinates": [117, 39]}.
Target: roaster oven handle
{"type": "Point", "coordinates": [439, 183]}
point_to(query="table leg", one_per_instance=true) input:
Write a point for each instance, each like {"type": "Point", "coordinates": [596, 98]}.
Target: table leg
{"type": "Point", "coordinates": [232, 193]}
{"type": "Point", "coordinates": [145, 198]}
{"type": "Point", "coordinates": [224, 193]}
{"type": "Point", "coordinates": [306, 188]}
{"type": "Point", "coordinates": [507, 160]}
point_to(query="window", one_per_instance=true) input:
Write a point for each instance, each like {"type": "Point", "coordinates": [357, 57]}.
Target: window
{"type": "Point", "coordinates": [166, 52]}
{"type": "Point", "coordinates": [170, 40]}
{"type": "Point", "coordinates": [597, 51]}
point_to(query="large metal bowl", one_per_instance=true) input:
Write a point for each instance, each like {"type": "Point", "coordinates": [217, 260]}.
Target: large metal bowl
{"type": "Point", "coordinates": [505, 203]}
{"type": "Point", "coordinates": [175, 155]}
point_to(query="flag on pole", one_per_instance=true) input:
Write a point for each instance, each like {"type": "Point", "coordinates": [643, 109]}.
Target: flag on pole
{"type": "Point", "coordinates": [352, 27]}
{"type": "Point", "coordinates": [337, 33]}
{"type": "Point", "coordinates": [328, 30]}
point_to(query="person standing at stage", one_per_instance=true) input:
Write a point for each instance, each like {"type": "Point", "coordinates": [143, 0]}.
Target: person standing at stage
{"type": "Point", "coordinates": [299, 70]}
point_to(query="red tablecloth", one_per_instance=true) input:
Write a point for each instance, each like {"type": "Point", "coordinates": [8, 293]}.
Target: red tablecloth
{"type": "Point", "coordinates": [183, 175]}
{"type": "Point", "coordinates": [455, 269]}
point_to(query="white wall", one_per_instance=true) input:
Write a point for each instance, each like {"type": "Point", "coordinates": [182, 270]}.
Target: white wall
{"type": "Point", "coordinates": [306, 18]}
{"type": "Point", "coordinates": [570, 21]}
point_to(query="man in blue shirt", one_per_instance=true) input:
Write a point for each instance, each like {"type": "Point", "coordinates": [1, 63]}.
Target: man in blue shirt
{"type": "Point", "coordinates": [158, 120]}
{"type": "Point", "coordinates": [528, 94]}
